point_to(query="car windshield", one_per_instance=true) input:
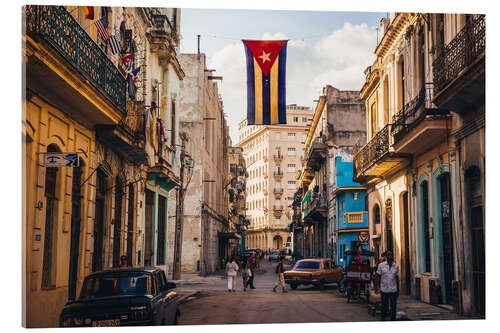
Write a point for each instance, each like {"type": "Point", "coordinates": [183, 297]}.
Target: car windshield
{"type": "Point", "coordinates": [129, 283]}
{"type": "Point", "coordinates": [307, 265]}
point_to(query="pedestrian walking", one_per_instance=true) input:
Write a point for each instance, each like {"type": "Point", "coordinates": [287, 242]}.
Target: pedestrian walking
{"type": "Point", "coordinates": [123, 262]}
{"type": "Point", "coordinates": [245, 274]}
{"type": "Point", "coordinates": [281, 276]}
{"type": "Point", "coordinates": [231, 272]}
{"type": "Point", "coordinates": [388, 272]}
{"type": "Point", "coordinates": [251, 266]}
{"type": "Point", "coordinates": [257, 260]}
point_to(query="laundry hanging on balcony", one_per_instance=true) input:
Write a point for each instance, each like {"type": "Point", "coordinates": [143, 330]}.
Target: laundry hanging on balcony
{"type": "Point", "coordinates": [266, 81]}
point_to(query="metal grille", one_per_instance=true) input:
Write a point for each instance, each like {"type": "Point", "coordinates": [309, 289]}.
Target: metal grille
{"type": "Point", "coordinates": [468, 45]}
{"type": "Point", "coordinates": [60, 29]}
{"type": "Point", "coordinates": [372, 151]}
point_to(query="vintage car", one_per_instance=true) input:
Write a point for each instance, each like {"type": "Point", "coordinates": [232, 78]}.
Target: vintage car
{"type": "Point", "coordinates": [274, 255]}
{"type": "Point", "coordinates": [313, 271]}
{"type": "Point", "coordinates": [123, 297]}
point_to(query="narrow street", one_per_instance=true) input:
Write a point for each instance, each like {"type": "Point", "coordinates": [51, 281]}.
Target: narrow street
{"type": "Point", "coordinates": [215, 305]}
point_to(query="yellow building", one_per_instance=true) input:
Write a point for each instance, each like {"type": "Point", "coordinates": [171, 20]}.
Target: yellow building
{"type": "Point", "coordinates": [424, 98]}
{"type": "Point", "coordinates": [82, 219]}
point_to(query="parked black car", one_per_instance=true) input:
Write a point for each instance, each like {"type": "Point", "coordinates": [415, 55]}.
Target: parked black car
{"type": "Point", "coordinates": [123, 297]}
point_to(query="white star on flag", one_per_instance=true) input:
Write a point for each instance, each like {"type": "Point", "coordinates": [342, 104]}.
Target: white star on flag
{"type": "Point", "coordinates": [265, 56]}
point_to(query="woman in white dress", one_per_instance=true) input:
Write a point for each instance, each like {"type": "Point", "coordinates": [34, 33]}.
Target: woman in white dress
{"type": "Point", "coordinates": [231, 272]}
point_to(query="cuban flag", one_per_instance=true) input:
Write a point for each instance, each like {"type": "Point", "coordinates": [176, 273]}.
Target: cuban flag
{"type": "Point", "coordinates": [127, 62]}
{"type": "Point", "coordinates": [266, 81]}
{"type": "Point", "coordinates": [135, 72]}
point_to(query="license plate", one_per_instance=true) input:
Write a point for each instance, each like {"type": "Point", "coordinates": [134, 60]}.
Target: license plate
{"type": "Point", "coordinates": [106, 323]}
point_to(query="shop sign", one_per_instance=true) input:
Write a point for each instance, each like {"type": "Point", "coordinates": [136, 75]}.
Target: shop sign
{"type": "Point", "coordinates": [51, 160]}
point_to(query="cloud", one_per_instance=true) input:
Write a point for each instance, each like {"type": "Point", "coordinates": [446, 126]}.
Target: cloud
{"type": "Point", "coordinates": [338, 59]}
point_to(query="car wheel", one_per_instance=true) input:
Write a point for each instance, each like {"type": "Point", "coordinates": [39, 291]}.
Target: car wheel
{"type": "Point", "coordinates": [176, 319]}
{"type": "Point", "coordinates": [294, 286]}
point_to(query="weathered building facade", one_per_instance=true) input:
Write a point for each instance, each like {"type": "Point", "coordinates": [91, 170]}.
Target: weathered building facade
{"type": "Point", "coordinates": [424, 99]}
{"type": "Point", "coordinates": [273, 154]}
{"type": "Point", "coordinates": [83, 219]}
{"type": "Point", "coordinates": [202, 118]}
{"type": "Point", "coordinates": [336, 126]}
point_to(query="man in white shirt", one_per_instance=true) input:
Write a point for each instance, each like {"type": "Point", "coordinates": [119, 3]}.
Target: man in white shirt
{"type": "Point", "coordinates": [389, 284]}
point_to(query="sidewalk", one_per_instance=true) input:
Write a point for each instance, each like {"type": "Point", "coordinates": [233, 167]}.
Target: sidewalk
{"type": "Point", "coordinates": [195, 278]}
{"type": "Point", "coordinates": [417, 310]}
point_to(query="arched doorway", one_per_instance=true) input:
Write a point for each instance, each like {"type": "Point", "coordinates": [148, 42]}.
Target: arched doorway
{"type": "Point", "coordinates": [424, 225]}
{"type": "Point", "coordinates": [49, 244]}
{"type": "Point", "coordinates": [405, 243]}
{"type": "Point", "coordinates": [76, 217]}
{"type": "Point", "coordinates": [389, 239]}
{"type": "Point", "coordinates": [277, 242]}
{"type": "Point", "coordinates": [376, 225]}
{"type": "Point", "coordinates": [476, 224]}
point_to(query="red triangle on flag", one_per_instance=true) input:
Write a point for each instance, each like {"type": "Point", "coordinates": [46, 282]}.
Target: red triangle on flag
{"type": "Point", "coordinates": [265, 52]}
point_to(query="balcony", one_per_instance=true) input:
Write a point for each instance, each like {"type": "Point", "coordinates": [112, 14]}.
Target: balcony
{"type": "Point", "coordinates": [63, 61]}
{"type": "Point", "coordinates": [317, 153]}
{"type": "Point", "coordinates": [278, 211]}
{"type": "Point", "coordinates": [315, 207]}
{"type": "Point", "coordinates": [377, 158]}
{"type": "Point", "coordinates": [278, 174]}
{"type": "Point", "coordinates": [459, 70]}
{"type": "Point", "coordinates": [163, 171]}
{"type": "Point", "coordinates": [419, 124]}
{"type": "Point", "coordinates": [278, 157]}
{"type": "Point", "coordinates": [163, 33]}
{"type": "Point", "coordinates": [128, 137]}
{"type": "Point", "coordinates": [278, 192]}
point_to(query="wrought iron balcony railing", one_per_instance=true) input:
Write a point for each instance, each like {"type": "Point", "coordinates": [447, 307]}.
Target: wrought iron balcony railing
{"type": "Point", "coordinates": [372, 151]}
{"type": "Point", "coordinates": [461, 52]}
{"type": "Point", "coordinates": [133, 121]}
{"type": "Point", "coordinates": [415, 111]}
{"type": "Point", "coordinates": [60, 29]}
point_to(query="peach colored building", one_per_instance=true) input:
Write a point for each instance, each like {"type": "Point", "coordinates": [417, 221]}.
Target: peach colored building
{"type": "Point", "coordinates": [273, 154]}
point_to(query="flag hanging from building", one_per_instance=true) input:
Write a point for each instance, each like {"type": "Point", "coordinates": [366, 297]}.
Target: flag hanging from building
{"type": "Point", "coordinates": [102, 27]}
{"type": "Point", "coordinates": [131, 86]}
{"type": "Point", "coordinates": [89, 12]}
{"type": "Point", "coordinates": [135, 72]}
{"type": "Point", "coordinates": [266, 81]}
{"type": "Point", "coordinates": [114, 43]}
{"type": "Point", "coordinates": [127, 62]}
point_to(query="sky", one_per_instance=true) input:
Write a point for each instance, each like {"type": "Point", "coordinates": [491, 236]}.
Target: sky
{"type": "Point", "coordinates": [325, 47]}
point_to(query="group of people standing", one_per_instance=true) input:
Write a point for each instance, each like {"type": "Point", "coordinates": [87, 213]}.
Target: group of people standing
{"type": "Point", "coordinates": [246, 271]}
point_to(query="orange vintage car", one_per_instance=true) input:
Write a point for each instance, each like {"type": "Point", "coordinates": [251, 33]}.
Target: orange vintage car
{"type": "Point", "coordinates": [313, 271]}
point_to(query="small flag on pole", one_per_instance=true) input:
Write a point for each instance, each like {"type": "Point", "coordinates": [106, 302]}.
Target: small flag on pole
{"type": "Point", "coordinates": [135, 72]}
{"type": "Point", "coordinates": [114, 43]}
{"type": "Point", "coordinates": [127, 62]}
{"type": "Point", "coordinates": [266, 81]}
{"type": "Point", "coordinates": [89, 12]}
{"type": "Point", "coordinates": [102, 27]}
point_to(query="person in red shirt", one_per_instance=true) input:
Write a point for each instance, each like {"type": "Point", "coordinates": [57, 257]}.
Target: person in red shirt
{"type": "Point", "coordinates": [251, 266]}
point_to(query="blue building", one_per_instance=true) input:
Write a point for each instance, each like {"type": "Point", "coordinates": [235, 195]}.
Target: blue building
{"type": "Point", "coordinates": [352, 217]}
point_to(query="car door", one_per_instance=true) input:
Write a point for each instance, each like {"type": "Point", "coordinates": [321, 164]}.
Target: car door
{"type": "Point", "coordinates": [157, 302]}
{"type": "Point", "coordinates": [171, 302]}
{"type": "Point", "coordinates": [338, 272]}
{"type": "Point", "coordinates": [327, 271]}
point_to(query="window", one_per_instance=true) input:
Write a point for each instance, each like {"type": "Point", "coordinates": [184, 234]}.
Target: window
{"type": "Point", "coordinates": [278, 221]}
{"type": "Point", "coordinates": [278, 136]}
{"type": "Point", "coordinates": [355, 195]}
{"type": "Point", "coordinates": [291, 151]}
{"type": "Point", "coordinates": [278, 185]}
{"type": "Point", "coordinates": [342, 205]}
{"type": "Point", "coordinates": [291, 136]}
{"type": "Point", "coordinates": [291, 168]}
{"type": "Point", "coordinates": [295, 119]}
{"type": "Point", "coordinates": [291, 184]}
{"type": "Point", "coordinates": [304, 119]}
{"type": "Point", "coordinates": [48, 269]}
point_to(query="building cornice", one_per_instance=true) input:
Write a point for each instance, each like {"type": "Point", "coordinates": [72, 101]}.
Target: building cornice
{"type": "Point", "coordinates": [392, 33]}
